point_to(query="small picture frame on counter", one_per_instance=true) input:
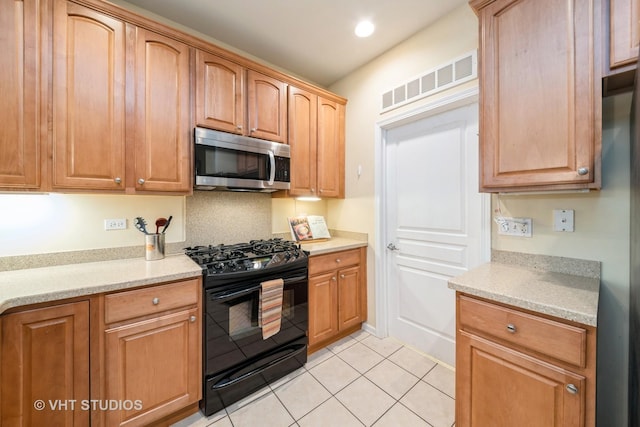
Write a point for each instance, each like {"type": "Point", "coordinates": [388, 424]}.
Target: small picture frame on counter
{"type": "Point", "coordinates": [308, 227]}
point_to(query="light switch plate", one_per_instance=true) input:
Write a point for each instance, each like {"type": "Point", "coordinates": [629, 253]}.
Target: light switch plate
{"type": "Point", "coordinates": [563, 220]}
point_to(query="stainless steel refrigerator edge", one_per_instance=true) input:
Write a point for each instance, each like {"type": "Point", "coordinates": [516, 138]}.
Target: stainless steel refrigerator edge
{"type": "Point", "coordinates": [634, 292]}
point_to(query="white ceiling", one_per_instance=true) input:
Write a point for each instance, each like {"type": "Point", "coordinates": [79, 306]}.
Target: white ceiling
{"type": "Point", "coordinates": [311, 38]}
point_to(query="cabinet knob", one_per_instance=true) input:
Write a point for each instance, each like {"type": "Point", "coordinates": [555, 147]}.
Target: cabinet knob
{"type": "Point", "coordinates": [192, 319]}
{"type": "Point", "coordinates": [141, 181]}
{"type": "Point", "coordinates": [583, 171]}
{"type": "Point", "coordinates": [239, 127]}
{"type": "Point", "coordinates": [572, 389]}
{"type": "Point", "coordinates": [338, 260]}
{"type": "Point", "coordinates": [155, 301]}
{"type": "Point", "coordinates": [342, 276]}
{"type": "Point", "coordinates": [253, 130]}
{"type": "Point", "coordinates": [117, 180]}
{"type": "Point", "coordinates": [511, 328]}
{"type": "Point", "coordinates": [321, 190]}
{"type": "Point", "coordinates": [313, 190]}
{"type": "Point", "coordinates": [333, 278]}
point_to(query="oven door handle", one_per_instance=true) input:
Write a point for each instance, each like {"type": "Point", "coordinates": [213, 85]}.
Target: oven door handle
{"type": "Point", "coordinates": [223, 296]}
{"type": "Point", "coordinates": [294, 279]}
{"type": "Point", "coordinates": [229, 382]}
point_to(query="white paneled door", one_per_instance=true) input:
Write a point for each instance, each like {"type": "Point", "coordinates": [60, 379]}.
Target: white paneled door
{"type": "Point", "coordinates": [434, 224]}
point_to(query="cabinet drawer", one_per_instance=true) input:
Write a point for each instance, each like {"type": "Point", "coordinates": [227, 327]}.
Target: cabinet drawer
{"type": "Point", "coordinates": [554, 339]}
{"type": "Point", "coordinates": [322, 263]}
{"type": "Point", "coordinates": [141, 302]}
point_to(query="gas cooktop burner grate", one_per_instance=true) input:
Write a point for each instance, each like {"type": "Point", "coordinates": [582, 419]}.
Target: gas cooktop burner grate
{"type": "Point", "coordinates": [255, 255]}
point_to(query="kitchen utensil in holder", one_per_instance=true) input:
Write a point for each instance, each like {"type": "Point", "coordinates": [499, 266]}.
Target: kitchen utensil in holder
{"type": "Point", "coordinates": [154, 246]}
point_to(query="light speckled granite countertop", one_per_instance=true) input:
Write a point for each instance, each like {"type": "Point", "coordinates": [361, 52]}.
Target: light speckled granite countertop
{"type": "Point", "coordinates": [35, 285]}
{"type": "Point", "coordinates": [332, 245]}
{"type": "Point", "coordinates": [566, 296]}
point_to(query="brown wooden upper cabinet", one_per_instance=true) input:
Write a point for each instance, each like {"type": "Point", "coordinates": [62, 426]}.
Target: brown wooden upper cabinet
{"type": "Point", "coordinates": [540, 94]}
{"type": "Point", "coordinates": [219, 93]}
{"type": "Point", "coordinates": [89, 99]}
{"type": "Point", "coordinates": [234, 99]}
{"type": "Point", "coordinates": [121, 96]}
{"type": "Point", "coordinates": [21, 90]}
{"type": "Point", "coordinates": [162, 135]}
{"type": "Point", "coordinates": [316, 136]}
{"type": "Point", "coordinates": [624, 26]}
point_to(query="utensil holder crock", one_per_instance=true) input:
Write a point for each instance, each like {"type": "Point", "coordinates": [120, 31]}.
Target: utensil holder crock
{"type": "Point", "coordinates": [154, 246]}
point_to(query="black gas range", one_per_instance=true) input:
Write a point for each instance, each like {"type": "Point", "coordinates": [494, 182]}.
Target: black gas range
{"type": "Point", "coordinates": [221, 263]}
{"type": "Point", "coordinates": [237, 359]}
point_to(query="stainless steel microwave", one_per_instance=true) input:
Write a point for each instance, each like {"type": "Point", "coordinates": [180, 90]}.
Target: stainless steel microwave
{"type": "Point", "coordinates": [225, 161]}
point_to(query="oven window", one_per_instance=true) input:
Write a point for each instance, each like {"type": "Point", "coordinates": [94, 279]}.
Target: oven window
{"type": "Point", "coordinates": [241, 319]}
{"type": "Point", "coordinates": [243, 315]}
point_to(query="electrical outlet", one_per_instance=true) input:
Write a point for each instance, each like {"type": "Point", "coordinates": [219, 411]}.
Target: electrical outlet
{"type": "Point", "coordinates": [115, 224]}
{"type": "Point", "coordinates": [521, 227]}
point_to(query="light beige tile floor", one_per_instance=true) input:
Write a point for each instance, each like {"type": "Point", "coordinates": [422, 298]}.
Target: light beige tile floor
{"type": "Point", "coordinates": [359, 381]}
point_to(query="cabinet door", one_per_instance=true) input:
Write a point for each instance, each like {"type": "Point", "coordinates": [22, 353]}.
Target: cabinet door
{"type": "Point", "coordinates": [323, 303]}
{"type": "Point", "coordinates": [499, 387]}
{"type": "Point", "coordinates": [154, 364]}
{"type": "Point", "coordinates": [88, 99]}
{"type": "Point", "coordinates": [267, 107]}
{"type": "Point", "coordinates": [540, 117]}
{"type": "Point", "coordinates": [349, 297]}
{"type": "Point", "coordinates": [624, 20]}
{"type": "Point", "coordinates": [20, 103]}
{"type": "Point", "coordinates": [330, 148]}
{"type": "Point", "coordinates": [303, 114]}
{"type": "Point", "coordinates": [219, 93]}
{"type": "Point", "coordinates": [45, 360]}
{"type": "Point", "coordinates": [162, 126]}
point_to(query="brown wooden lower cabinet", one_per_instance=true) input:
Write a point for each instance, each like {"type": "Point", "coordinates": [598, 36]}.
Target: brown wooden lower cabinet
{"type": "Point", "coordinates": [514, 368]}
{"type": "Point", "coordinates": [130, 358]}
{"type": "Point", "coordinates": [153, 358]}
{"type": "Point", "coordinates": [44, 369]}
{"type": "Point", "coordinates": [337, 296]}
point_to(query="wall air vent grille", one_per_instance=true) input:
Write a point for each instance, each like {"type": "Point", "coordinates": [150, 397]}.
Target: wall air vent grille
{"type": "Point", "coordinates": [445, 76]}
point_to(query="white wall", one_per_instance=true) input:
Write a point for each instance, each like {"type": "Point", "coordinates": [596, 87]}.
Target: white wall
{"type": "Point", "coordinates": [47, 223]}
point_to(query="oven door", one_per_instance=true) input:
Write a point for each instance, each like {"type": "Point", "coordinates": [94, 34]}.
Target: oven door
{"type": "Point", "coordinates": [232, 334]}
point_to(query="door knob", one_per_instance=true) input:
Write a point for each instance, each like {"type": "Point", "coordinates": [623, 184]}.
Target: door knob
{"type": "Point", "coordinates": [392, 247]}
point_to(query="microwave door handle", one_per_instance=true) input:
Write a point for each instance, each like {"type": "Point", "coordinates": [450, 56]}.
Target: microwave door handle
{"type": "Point", "coordinates": [272, 159]}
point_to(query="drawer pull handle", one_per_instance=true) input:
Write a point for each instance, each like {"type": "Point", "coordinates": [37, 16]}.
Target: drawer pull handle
{"type": "Point", "coordinates": [155, 301]}
{"type": "Point", "coordinates": [192, 319]}
{"type": "Point", "coordinates": [572, 389]}
{"type": "Point", "coordinates": [511, 328]}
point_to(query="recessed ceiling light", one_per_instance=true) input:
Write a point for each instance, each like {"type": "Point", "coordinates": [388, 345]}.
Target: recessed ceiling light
{"type": "Point", "coordinates": [364, 29]}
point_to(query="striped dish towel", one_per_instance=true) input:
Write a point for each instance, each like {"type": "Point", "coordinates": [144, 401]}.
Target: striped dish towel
{"type": "Point", "coordinates": [270, 307]}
